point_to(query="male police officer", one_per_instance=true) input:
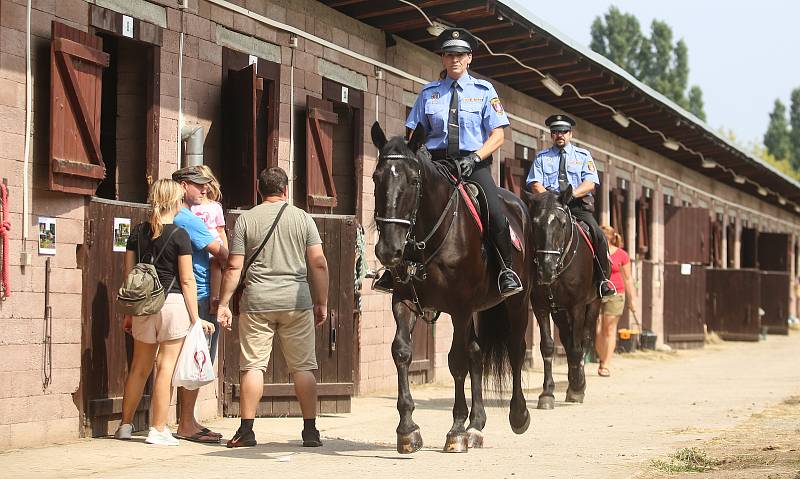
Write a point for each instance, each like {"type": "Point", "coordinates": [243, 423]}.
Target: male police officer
{"type": "Point", "coordinates": [564, 164]}
{"type": "Point", "coordinates": [464, 122]}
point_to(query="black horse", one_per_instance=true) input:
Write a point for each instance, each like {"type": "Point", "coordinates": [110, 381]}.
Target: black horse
{"type": "Point", "coordinates": [439, 262]}
{"type": "Point", "coordinates": [563, 265]}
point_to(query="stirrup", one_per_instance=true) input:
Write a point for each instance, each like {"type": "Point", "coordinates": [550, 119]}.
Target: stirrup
{"type": "Point", "coordinates": [510, 292]}
{"type": "Point", "coordinates": [611, 285]}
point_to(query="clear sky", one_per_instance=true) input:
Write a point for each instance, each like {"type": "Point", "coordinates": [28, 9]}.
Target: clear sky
{"type": "Point", "coordinates": [742, 54]}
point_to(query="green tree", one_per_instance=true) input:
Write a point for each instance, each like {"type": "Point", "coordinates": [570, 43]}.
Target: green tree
{"type": "Point", "coordinates": [655, 60]}
{"type": "Point", "coordinates": [794, 121]}
{"type": "Point", "coordinates": [777, 139]}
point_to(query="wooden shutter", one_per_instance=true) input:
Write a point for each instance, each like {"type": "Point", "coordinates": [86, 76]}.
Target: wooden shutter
{"type": "Point", "coordinates": [643, 226]}
{"type": "Point", "coordinates": [617, 199]}
{"type": "Point", "coordinates": [240, 168]}
{"type": "Point", "coordinates": [76, 76]}
{"type": "Point", "coordinates": [320, 120]}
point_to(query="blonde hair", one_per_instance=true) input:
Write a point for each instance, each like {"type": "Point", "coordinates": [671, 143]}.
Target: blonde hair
{"type": "Point", "coordinates": [616, 238]}
{"type": "Point", "coordinates": [213, 190]}
{"type": "Point", "coordinates": [166, 196]}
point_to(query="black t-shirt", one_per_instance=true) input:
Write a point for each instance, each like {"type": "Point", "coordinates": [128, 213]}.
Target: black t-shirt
{"type": "Point", "coordinates": [167, 264]}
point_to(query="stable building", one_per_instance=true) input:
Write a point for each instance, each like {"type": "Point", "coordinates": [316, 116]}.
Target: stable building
{"type": "Point", "coordinates": [98, 98]}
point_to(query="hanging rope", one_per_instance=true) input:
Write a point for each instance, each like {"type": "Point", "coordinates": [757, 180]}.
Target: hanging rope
{"type": "Point", "coordinates": [5, 230]}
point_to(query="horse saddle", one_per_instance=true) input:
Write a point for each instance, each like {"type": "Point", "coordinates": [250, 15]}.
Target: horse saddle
{"type": "Point", "coordinates": [583, 228]}
{"type": "Point", "coordinates": [474, 198]}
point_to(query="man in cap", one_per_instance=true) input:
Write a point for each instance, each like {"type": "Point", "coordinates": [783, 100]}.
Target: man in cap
{"type": "Point", "coordinates": [563, 165]}
{"type": "Point", "coordinates": [464, 122]}
{"type": "Point", "coordinates": [203, 244]}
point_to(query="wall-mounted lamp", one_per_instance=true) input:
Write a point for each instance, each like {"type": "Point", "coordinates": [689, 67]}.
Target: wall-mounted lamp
{"type": "Point", "coordinates": [436, 28]}
{"type": "Point", "coordinates": [796, 209]}
{"type": "Point", "coordinates": [782, 200]}
{"type": "Point", "coordinates": [708, 164]}
{"type": "Point", "coordinates": [378, 73]}
{"type": "Point", "coordinates": [671, 144]}
{"type": "Point", "coordinates": [551, 84]}
{"type": "Point", "coordinates": [739, 179]}
{"type": "Point", "coordinates": [762, 191]}
{"type": "Point", "coordinates": [621, 119]}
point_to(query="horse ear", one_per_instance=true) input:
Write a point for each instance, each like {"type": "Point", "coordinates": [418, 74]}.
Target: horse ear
{"type": "Point", "coordinates": [417, 137]}
{"type": "Point", "coordinates": [378, 136]}
{"type": "Point", "coordinates": [565, 196]}
{"type": "Point", "coordinates": [527, 196]}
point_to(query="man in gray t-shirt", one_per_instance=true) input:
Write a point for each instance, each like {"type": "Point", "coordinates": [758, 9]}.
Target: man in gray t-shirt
{"type": "Point", "coordinates": [277, 300]}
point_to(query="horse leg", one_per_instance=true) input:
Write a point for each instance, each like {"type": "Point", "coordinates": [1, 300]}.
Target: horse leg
{"type": "Point", "coordinates": [409, 438]}
{"type": "Point", "coordinates": [547, 347]}
{"type": "Point", "coordinates": [518, 416]}
{"type": "Point", "coordinates": [577, 379]}
{"type": "Point", "coordinates": [477, 414]}
{"type": "Point", "coordinates": [457, 440]}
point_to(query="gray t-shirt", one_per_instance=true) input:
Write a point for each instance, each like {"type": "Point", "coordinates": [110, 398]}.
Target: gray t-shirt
{"type": "Point", "coordinates": [277, 279]}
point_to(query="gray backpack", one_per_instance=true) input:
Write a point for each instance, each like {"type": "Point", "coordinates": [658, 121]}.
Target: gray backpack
{"type": "Point", "coordinates": [142, 293]}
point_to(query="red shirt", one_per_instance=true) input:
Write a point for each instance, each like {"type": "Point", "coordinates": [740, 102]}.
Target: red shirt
{"type": "Point", "coordinates": [618, 258]}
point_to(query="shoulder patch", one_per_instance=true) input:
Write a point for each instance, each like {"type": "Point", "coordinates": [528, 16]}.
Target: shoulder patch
{"type": "Point", "coordinates": [590, 165]}
{"type": "Point", "coordinates": [498, 107]}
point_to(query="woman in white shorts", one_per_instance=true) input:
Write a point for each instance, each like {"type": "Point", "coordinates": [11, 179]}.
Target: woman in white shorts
{"type": "Point", "coordinates": [158, 338]}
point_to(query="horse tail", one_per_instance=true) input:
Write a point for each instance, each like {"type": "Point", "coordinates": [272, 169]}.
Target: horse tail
{"type": "Point", "coordinates": [494, 331]}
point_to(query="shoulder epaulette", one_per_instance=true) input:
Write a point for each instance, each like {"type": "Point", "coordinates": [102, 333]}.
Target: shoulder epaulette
{"type": "Point", "coordinates": [432, 84]}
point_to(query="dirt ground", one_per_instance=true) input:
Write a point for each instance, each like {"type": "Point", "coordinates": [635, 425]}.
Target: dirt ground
{"type": "Point", "coordinates": [733, 408]}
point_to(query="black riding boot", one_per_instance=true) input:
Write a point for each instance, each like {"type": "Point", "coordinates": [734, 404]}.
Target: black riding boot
{"type": "Point", "coordinates": [602, 275]}
{"type": "Point", "coordinates": [384, 284]}
{"type": "Point", "coordinates": [507, 281]}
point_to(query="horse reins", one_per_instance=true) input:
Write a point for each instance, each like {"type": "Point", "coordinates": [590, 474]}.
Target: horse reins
{"type": "Point", "coordinates": [562, 254]}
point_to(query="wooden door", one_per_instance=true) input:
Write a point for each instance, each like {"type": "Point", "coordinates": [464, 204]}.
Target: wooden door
{"type": "Point", "coordinates": [775, 288]}
{"type": "Point", "coordinates": [684, 305]}
{"type": "Point", "coordinates": [243, 91]}
{"type": "Point", "coordinates": [320, 188]}
{"type": "Point", "coordinates": [76, 66]}
{"type": "Point", "coordinates": [106, 350]}
{"type": "Point", "coordinates": [336, 339]}
{"type": "Point", "coordinates": [732, 303]}
{"type": "Point", "coordinates": [687, 234]}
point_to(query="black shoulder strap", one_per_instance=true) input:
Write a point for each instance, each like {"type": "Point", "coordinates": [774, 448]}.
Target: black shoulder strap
{"type": "Point", "coordinates": [266, 238]}
{"type": "Point", "coordinates": [165, 244]}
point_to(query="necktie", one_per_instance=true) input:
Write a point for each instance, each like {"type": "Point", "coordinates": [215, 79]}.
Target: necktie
{"type": "Point", "coordinates": [452, 124]}
{"type": "Point", "coordinates": [563, 182]}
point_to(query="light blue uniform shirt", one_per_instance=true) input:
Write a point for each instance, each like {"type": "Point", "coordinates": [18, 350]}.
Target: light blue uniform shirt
{"type": "Point", "coordinates": [200, 238]}
{"type": "Point", "coordinates": [580, 167]}
{"type": "Point", "coordinates": [480, 112]}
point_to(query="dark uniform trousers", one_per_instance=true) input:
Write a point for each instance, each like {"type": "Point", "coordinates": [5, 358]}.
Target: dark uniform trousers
{"type": "Point", "coordinates": [497, 227]}
{"type": "Point", "coordinates": [581, 213]}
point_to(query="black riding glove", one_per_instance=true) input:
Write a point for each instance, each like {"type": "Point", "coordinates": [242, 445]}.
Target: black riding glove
{"type": "Point", "coordinates": [467, 164]}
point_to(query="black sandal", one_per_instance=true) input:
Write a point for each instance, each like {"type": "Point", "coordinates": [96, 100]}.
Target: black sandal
{"type": "Point", "coordinates": [247, 439]}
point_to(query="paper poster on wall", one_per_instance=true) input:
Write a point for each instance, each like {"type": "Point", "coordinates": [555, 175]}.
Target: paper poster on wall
{"type": "Point", "coordinates": [122, 229]}
{"type": "Point", "coordinates": [686, 269]}
{"type": "Point", "coordinates": [47, 235]}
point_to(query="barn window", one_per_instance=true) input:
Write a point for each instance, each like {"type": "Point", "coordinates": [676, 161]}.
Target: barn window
{"type": "Point", "coordinates": [619, 209]}
{"type": "Point", "coordinates": [644, 221]}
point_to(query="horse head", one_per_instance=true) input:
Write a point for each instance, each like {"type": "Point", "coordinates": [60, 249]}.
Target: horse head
{"type": "Point", "coordinates": [552, 231]}
{"type": "Point", "coordinates": [398, 188]}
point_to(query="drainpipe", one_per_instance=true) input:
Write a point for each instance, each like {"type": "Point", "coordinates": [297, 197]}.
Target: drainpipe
{"type": "Point", "coordinates": [25, 258]}
{"type": "Point", "coordinates": [193, 136]}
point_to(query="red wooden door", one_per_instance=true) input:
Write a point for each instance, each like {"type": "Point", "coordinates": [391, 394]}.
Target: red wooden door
{"type": "Point", "coordinates": [76, 75]}
{"type": "Point", "coordinates": [732, 303]}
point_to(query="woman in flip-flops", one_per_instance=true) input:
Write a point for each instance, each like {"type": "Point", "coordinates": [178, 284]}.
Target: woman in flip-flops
{"type": "Point", "coordinates": [613, 306]}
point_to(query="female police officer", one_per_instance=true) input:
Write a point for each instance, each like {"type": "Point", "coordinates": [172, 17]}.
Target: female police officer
{"type": "Point", "coordinates": [464, 120]}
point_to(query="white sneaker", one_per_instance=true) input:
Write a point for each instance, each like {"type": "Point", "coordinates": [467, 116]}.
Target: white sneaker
{"type": "Point", "coordinates": [162, 438]}
{"type": "Point", "coordinates": [124, 432]}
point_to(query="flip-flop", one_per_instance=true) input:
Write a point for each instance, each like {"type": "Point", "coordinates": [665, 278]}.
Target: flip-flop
{"type": "Point", "coordinates": [209, 432]}
{"type": "Point", "coordinates": [603, 372]}
{"type": "Point", "coordinates": [200, 437]}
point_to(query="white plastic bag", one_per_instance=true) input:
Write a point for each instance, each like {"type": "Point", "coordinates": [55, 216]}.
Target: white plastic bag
{"type": "Point", "coordinates": [194, 367]}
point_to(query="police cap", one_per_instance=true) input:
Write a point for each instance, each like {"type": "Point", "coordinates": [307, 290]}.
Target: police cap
{"type": "Point", "coordinates": [559, 123]}
{"type": "Point", "coordinates": [456, 40]}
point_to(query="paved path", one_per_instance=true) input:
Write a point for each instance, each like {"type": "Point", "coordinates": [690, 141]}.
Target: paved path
{"type": "Point", "coordinates": [652, 405]}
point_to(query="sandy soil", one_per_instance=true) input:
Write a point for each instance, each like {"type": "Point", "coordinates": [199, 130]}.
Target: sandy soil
{"type": "Point", "coordinates": [728, 400]}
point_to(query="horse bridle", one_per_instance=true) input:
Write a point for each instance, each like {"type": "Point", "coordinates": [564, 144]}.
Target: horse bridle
{"type": "Point", "coordinates": [562, 253]}
{"type": "Point", "coordinates": [412, 220]}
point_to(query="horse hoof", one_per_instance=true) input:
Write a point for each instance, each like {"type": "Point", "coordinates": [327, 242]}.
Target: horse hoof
{"type": "Point", "coordinates": [574, 397]}
{"type": "Point", "coordinates": [456, 442]}
{"type": "Point", "coordinates": [409, 443]}
{"type": "Point", "coordinates": [475, 438]}
{"type": "Point", "coordinates": [524, 427]}
{"type": "Point", "coordinates": [546, 402]}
